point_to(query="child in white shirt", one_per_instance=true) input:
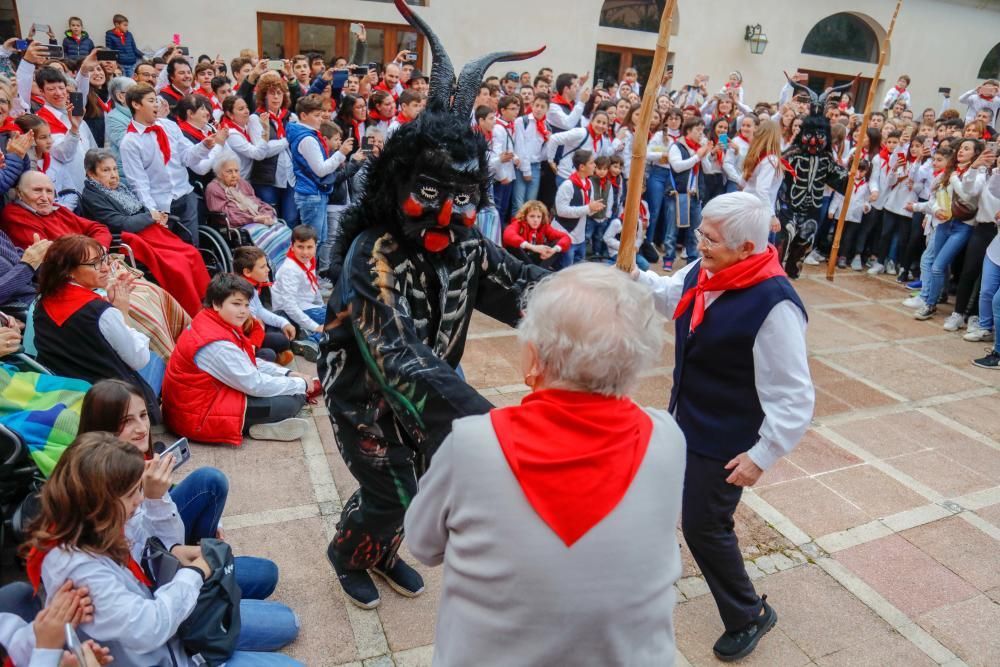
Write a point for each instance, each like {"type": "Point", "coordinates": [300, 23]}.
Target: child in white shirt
{"type": "Point", "coordinates": [296, 293]}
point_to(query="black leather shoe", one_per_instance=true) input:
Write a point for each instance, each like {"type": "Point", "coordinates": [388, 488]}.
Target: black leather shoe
{"type": "Point", "coordinates": [741, 643]}
{"type": "Point", "coordinates": [357, 584]}
{"type": "Point", "coordinates": [402, 578]}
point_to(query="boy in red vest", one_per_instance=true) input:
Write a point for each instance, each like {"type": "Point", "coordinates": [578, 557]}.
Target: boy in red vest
{"type": "Point", "coordinates": [216, 390]}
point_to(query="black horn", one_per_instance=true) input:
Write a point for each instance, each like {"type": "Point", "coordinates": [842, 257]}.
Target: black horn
{"type": "Point", "coordinates": [836, 89]}
{"type": "Point", "coordinates": [442, 83]}
{"type": "Point", "coordinates": [472, 77]}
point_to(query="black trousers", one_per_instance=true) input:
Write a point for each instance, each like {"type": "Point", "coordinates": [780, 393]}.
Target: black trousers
{"type": "Point", "coordinates": [883, 244]}
{"type": "Point", "coordinates": [915, 246]}
{"type": "Point", "coordinates": [186, 208]}
{"type": "Point", "coordinates": [707, 522]}
{"type": "Point", "coordinates": [862, 242]}
{"type": "Point", "coordinates": [848, 239]}
{"type": "Point", "coordinates": [272, 409]}
{"type": "Point", "coordinates": [966, 302]}
{"type": "Point", "coordinates": [533, 257]}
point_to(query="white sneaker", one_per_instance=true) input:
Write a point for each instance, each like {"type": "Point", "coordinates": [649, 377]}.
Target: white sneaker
{"type": "Point", "coordinates": [914, 302]}
{"type": "Point", "coordinates": [856, 263]}
{"type": "Point", "coordinates": [978, 335]}
{"type": "Point", "coordinates": [876, 269]}
{"type": "Point", "coordinates": [813, 259]}
{"type": "Point", "coordinates": [954, 322]}
{"type": "Point", "coordinates": [284, 431]}
{"type": "Point", "coordinates": [890, 267]}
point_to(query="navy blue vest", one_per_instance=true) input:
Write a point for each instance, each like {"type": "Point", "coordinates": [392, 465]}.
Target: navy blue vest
{"type": "Point", "coordinates": [714, 397]}
{"type": "Point", "coordinates": [569, 224]}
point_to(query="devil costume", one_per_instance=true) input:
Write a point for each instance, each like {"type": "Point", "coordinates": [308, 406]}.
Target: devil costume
{"type": "Point", "coordinates": [801, 195]}
{"type": "Point", "coordinates": [412, 267]}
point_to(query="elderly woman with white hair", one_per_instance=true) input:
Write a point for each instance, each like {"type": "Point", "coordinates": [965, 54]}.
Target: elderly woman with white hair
{"type": "Point", "coordinates": [230, 195]}
{"type": "Point", "coordinates": [555, 519]}
{"type": "Point", "coordinates": [742, 393]}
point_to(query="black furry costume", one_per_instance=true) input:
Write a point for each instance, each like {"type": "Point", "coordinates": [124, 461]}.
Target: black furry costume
{"type": "Point", "coordinates": [413, 266]}
{"type": "Point", "coordinates": [800, 198]}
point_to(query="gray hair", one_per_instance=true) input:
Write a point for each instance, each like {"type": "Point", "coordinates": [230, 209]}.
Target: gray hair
{"type": "Point", "coordinates": [96, 156]}
{"type": "Point", "coordinates": [225, 158]}
{"type": "Point", "coordinates": [119, 84]}
{"type": "Point", "coordinates": [741, 217]}
{"type": "Point", "coordinates": [594, 329]}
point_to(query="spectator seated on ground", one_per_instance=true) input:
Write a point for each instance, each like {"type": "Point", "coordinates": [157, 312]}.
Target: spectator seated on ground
{"type": "Point", "coordinates": [34, 212]}
{"type": "Point", "coordinates": [174, 264]}
{"type": "Point", "coordinates": [250, 263]}
{"type": "Point", "coordinates": [296, 293]}
{"type": "Point", "coordinates": [216, 390]}
{"type": "Point", "coordinates": [531, 238]}
{"type": "Point", "coordinates": [230, 195]}
{"type": "Point", "coordinates": [78, 333]}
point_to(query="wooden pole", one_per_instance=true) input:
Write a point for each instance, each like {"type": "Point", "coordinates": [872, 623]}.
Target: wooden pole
{"type": "Point", "coordinates": [831, 267]}
{"type": "Point", "coordinates": [637, 168]}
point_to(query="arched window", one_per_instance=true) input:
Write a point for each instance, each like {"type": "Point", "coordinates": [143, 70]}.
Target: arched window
{"type": "Point", "coordinates": [990, 69]}
{"type": "Point", "coordinates": [641, 15]}
{"type": "Point", "coordinates": [843, 36]}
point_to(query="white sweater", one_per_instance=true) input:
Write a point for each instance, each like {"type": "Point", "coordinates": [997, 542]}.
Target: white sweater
{"type": "Point", "coordinates": [292, 294]}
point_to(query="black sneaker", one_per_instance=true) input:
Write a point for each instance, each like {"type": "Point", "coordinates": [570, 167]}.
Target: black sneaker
{"type": "Point", "coordinates": [402, 578]}
{"type": "Point", "coordinates": [991, 360]}
{"type": "Point", "coordinates": [306, 349]}
{"type": "Point", "coordinates": [735, 645]}
{"type": "Point", "coordinates": [357, 584]}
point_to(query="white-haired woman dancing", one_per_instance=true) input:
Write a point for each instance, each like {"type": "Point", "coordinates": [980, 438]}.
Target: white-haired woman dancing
{"type": "Point", "coordinates": [555, 518]}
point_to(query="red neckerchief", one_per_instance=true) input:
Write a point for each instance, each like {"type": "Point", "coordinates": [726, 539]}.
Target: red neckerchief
{"type": "Point", "coordinates": [310, 270]}
{"type": "Point", "coordinates": [988, 98]}
{"type": "Point", "coordinates": [67, 300]}
{"type": "Point", "coordinates": [121, 35]}
{"type": "Point", "coordinates": [742, 136]}
{"type": "Point", "coordinates": [210, 96]}
{"type": "Point", "coordinates": [36, 556]}
{"type": "Point", "coordinates": [594, 137]}
{"type": "Point", "coordinates": [508, 128]}
{"type": "Point", "coordinates": [936, 173]}
{"type": "Point", "coordinates": [76, 39]}
{"type": "Point", "coordinates": [256, 285]}
{"type": "Point", "coordinates": [323, 144]}
{"type": "Point", "coordinates": [46, 162]}
{"type": "Point", "coordinates": [161, 138]}
{"type": "Point", "coordinates": [55, 125]}
{"type": "Point", "coordinates": [959, 171]}
{"type": "Point", "coordinates": [173, 93]}
{"type": "Point", "coordinates": [381, 86]}
{"type": "Point", "coordinates": [694, 146]}
{"type": "Point", "coordinates": [231, 124]}
{"type": "Point", "coordinates": [899, 90]}
{"type": "Point", "coordinates": [583, 185]}
{"type": "Point", "coordinates": [562, 101]}
{"type": "Point", "coordinates": [603, 182]}
{"type": "Point", "coordinates": [376, 116]}
{"type": "Point", "coordinates": [243, 341]}
{"type": "Point", "coordinates": [191, 130]}
{"type": "Point", "coordinates": [402, 119]}
{"type": "Point", "coordinates": [858, 184]}
{"type": "Point", "coordinates": [573, 487]}
{"type": "Point", "coordinates": [542, 128]}
{"type": "Point", "coordinates": [278, 121]}
{"type": "Point", "coordinates": [358, 131]}
{"type": "Point", "coordinates": [488, 136]}
{"type": "Point", "coordinates": [106, 107]}
{"type": "Point", "coordinates": [9, 126]}
{"type": "Point", "coordinates": [883, 153]}
{"type": "Point", "coordinates": [746, 273]}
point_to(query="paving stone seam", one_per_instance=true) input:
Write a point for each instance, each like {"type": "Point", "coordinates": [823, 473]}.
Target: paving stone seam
{"type": "Point", "coordinates": [898, 408]}
{"type": "Point", "coordinates": [978, 377]}
{"type": "Point", "coordinates": [960, 427]}
{"type": "Point", "coordinates": [860, 378]}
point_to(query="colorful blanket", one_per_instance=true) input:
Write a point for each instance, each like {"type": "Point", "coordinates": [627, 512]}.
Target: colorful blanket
{"type": "Point", "coordinates": [44, 410]}
{"type": "Point", "coordinates": [274, 240]}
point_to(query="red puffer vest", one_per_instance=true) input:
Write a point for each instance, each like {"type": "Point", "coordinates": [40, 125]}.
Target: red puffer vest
{"type": "Point", "coordinates": [195, 404]}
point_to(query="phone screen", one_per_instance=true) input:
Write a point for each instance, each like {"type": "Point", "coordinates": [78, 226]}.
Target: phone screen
{"type": "Point", "coordinates": [107, 55]}
{"type": "Point", "coordinates": [276, 65]}
{"type": "Point", "coordinates": [21, 45]}
{"type": "Point", "coordinates": [55, 51]}
{"type": "Point", "coordinates": [340, 78]}
{"type": "Point", "coordinates": [356, 28]}
{"type": "Point", "coordinates": [74, 646]}
{"type": "Point", "coordinates": [76, 99]}
{"type": "Point", "coordinates": [181, 451]}
{"type": "Point", "coordinates": [42, 27]}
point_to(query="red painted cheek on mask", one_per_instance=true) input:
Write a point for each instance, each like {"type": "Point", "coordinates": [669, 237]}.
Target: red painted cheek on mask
{"type": "Point", "coordinates": [412, 208]}
{"type": "Point", "coordinates": [444, 217]}
{"type": "Point", "coordinates": [469, 217]}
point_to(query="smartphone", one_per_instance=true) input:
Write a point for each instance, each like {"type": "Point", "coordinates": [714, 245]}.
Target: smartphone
{"type": "Point", "coordinates": [359, 71]}
{"type": "Point", "coordinates": [991, 146]}
{"type": "Point", "coordinates": [374, 67]}
{"type": "Point", "coordinates": [21, 45]}
{"type": "Point", "coordinates": [276, 65]}
{"type": "Point", "coordinates": [180, 449]}
{"type": "Point", "coordinates": [599, 84]}
{"type": "Point", "coordinates": [76, 99]}
{"type": "Point", "coordinates": [670, 68]}
{"type": "Point", "coordinates": [55, 52]}
{"type": "Point", "coordinates": [411, 57]}
{"type": "Point", "coordinates": [724, 139]}
{"type": "Point", "coordinates": [176, 38]}
{"type": "Point", "coordinates": [74, 646]}
{"type": "Point", "coordinates": [367, 143]}
{"type": "Point", "coordinates": [340, 78]}
{"type": "Point", "coordinates": [107, 55]}
{"type": "Point", "coordinates": [184, 51]}
{"type": "Point", "coordinates": [356, 28]}
{"type": "Point", "coordinates": [41, 27]}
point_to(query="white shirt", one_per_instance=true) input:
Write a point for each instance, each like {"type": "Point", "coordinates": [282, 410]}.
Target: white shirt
{"type": "Point", "coordinates": [310, 149]}
{"type": "Point", "coordinates": [292, 294]}
{"type": "Point", "coordinates": [249, 152]}
{"type": "Point", "coordinates": [573, 141]}
{"type": "Point", "coordinates": [765, 181]}
{"type": "Point", "coordinates": [231, 366]}
{"type": "Point", "coordinates": [284, 176]}
{"type": "Point", "coordinates": [183, 154]}
{"type": "Point", "coordinates": [258, 310]}
{"type": "Point", "coordinates": [156, 183]}
{"type": "Point", "coordinates": [529, 146]}
{"type": "Point", "coordinates": [679, 164]}
{"type": "Point", "coordinates": [975, 103]}
{"type": "Point", "coordinates": [131, 345]}
{"type": "Point", "coordinates": [893, 95]}
{"type": "Point", "coordinates": [859, 204]}
{"type": "Point", "coordinates": [732, 164]}
{"type": "Point", "coordinates": [561, 121]}
{"type": "Point", "coordinates": [781, 367]}
{"type": "Point", "coordinates": [989, 205]}
{"type": "Point", "coordinates": [503, 141]}
{"type": "Point", "coordinates": [69, 149]}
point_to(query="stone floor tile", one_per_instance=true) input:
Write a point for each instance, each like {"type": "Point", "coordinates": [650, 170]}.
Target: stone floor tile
{"type": "Point", "coordinates": [828, 404]}
{"type": "Point", "coordinates": [880, 650]}
{"type": "Point", "coordinates": [979, 414]}
{"type": "Point", "coordinates": [653, 392]}
{"type": "Point", "coordinates": [991, 513]}
{"type": "Point", "coordinates": [872, 490]}
{"type": "Point", "coordinates": [905, 576]}
{"type": "Point", "coordinates": [782, 471]}
{"type": "Point", "coordinates": [827, 332]}
{"type": "Point", "coordinates": [885, 321]}
{"type": "Point", "coordinates": [941, 473]}
{"type": "Point", "coordinates": [409, 622]}
{"type": "Point", "coordinates": [891, 435]}
{"type": "Point", "coordinates": [307, 584]}
{"type": "Point", "coordinates": [481, 323]}
{"type": "Point", "coordinates": [342, 477]}
{"type": "Point", "coordinates": [822, 293]}
{"type": "Point", "coordinates": [868, 287]}
{"type": "Point", "coordinates": [954, 351]}
{"type": "Point", "coordinates": [509, 398]}
{"type": "Point", "coordinates": [286, 479]}
{"type": "Point", "coordinates": [969, 628]}
{"type": "Point", "coordinates": [962, 548]}
{"type": "Point", "coordinates": [697, 626]}
{"type": "Point", "coordinates": [493, 362]}
{"type": "Point", "coordinates": [984, 459]}
{"type": "Point", "coordinates": [904, 373]}
{"type": "Point", "coordinates": [813, 507]}
{"type": "Point", "coordinates": [816, 454]}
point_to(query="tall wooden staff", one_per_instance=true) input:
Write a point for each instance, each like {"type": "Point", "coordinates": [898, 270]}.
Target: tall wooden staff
{"type": "Point", "coordinates": [630, 219]}
{"type": "Point", "coordinates": [831, 267]}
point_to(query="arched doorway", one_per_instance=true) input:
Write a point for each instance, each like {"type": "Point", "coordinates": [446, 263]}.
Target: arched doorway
{"type": "Point", "coordinates": [990, 69]}
{"type": "Point", "coordinates": [844, 36]}
{"type": "Point", "coordinates": [642, 15]}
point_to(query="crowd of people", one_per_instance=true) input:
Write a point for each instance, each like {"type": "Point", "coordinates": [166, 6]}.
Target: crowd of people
{"type": "Point", "coordinates": [116, 162]}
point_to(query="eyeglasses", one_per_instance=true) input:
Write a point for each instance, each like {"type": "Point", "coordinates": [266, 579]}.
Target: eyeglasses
{"type": "Point", "coordinates": [709, 243]}
{"type": "Point", "coordinates": [96, 265]}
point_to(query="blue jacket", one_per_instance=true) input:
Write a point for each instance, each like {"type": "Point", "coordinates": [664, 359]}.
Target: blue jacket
{"type": "Point", "coordinates": [306, 180]}
{"type": "Point", "coordinates": [128, 53]}
{"type": "Point", "coordinates": [77, 50]}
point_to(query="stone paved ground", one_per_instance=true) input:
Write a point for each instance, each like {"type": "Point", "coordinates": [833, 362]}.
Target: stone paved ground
{"type": "Point", "coordinates": [877, 540]}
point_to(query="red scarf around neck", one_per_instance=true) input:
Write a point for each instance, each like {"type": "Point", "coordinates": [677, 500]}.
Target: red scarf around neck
{"type": "Point", "coordinates": [858, 183]}
{"type": "Point", "coordinates": [883, 153]}
{"type": "Point", "coordinates": [189, 129]}
{"type": "Point", "coordinates": [742, 136]}
{"type": "Point", "coordinates": [208, 95]}
{"type": "Point", "coordinates": [9, 126]}
{"type": "Point", "coordinates": [67, 300]}
{"type": "Point", "coordinates": [376, 116]}
{"type": "Point", "coordinates": [310, 270]}
{"type": "Point", "coordinates": [584, 185]}
{"type": "Point", "coordinates": [542, 128]}
{"type": "Point", "coordinates": [171, 92]}
{"type": "Point", "coordinates": [562, 101]}
{"type": "Point", "coordinates": [746, 273]}
{"type": "Point", "coordinates": [231, 124]}
{"type": "Point", "coordinates": [120, 34]}
{"type": "Point", "coordinates": [278, 120]}
{"type": "Point", "coordinates": [256, 285]}
{"type": "Point", "coordinates": [899, 90]}
{"type": "Point", "coordinates": [402, 119]}
{"type": "Point", "coordinates": [594, 137]}
{"type": "Point", "coordinates": [508, 128]}
{"type": "Point", "coordinates": [106, 107]}
{"type": "Point", "coordinates": [695, 147]}
{"type": "Point", "coordinates": [56, 126]}
{"type": "Point", "coordinates": [161, 138]}
{"type": "Point", "coordinates": [573, 454]}
{"type": "Point", "coordinates": [46, 162]}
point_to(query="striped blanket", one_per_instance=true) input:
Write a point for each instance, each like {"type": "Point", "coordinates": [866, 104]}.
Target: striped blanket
{"type": "Point", "coordinates": [43, 409]}
{"type": "Point", "coordinates": [274, 240]}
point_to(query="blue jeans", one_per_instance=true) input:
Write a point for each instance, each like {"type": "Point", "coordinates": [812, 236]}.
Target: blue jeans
{"type": "Point", "coordinates": [576, 253]}
{"type": "Point", "coordinates": [266, 626]}
{"type": "Point", "coordinates": [128, 70]}
{"type": "Point", "coordinates": [732, 186]}
{"type": "Point", "coordinates": [282, 200]}
{"type": "Point", "coordinates": [690, 212]}
{"type": "Point", "coordinates": [501, 198]}
{"type": "Point", "coordinates": [318, 315]}
{"type": "Point", "coordinates": [989, 298]}
{"type": "Point", "coordinates": [595, 235]}
{"type": "Point", "coordinates": [656, 186]}
{"type": "Point", "coordinates": [200, 498]}
{"type": "Point", "coordinates": [312, 212]}
{"type": "Point", "coordinates": [949, 240]}
{"type": "Point", "coordinates": [526, 190]}
{"type": "Point", "coordinates": [926, 262]}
